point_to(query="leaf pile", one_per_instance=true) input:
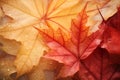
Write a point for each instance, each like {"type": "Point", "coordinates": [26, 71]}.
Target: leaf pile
{"type": "Point", "coordinates": [70, 32]}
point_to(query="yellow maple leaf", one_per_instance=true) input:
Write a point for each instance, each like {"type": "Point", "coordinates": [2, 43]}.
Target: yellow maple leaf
{"type": "Point", "coordinates": [19, 17]}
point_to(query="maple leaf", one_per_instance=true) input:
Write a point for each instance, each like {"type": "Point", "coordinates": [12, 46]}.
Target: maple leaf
{"type": "Point", "coordinates": [70, 50]}
{"type": "Point", "coordinates": [17, 19]}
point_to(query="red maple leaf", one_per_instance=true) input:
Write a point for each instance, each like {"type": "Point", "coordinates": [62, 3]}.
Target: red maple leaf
{"type": "Point", "coordinates": [71, 50]}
